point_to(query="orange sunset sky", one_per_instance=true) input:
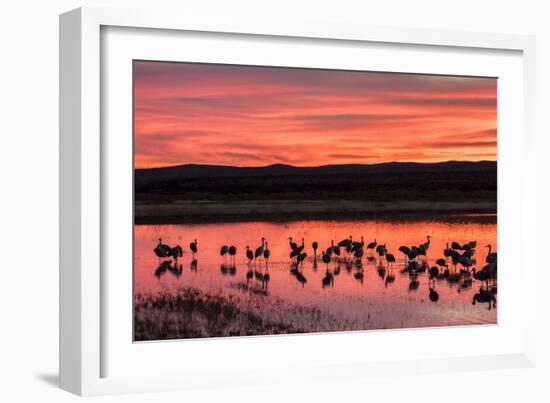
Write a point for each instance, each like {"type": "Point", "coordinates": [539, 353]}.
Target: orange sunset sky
{"type": "Point", "coordinates": [253, 116]}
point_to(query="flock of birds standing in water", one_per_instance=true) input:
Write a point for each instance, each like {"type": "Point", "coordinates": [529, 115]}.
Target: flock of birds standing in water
{"type": "Point", "coordinates": [456, 265]}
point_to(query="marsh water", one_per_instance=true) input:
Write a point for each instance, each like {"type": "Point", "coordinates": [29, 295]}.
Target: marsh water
{"type": "Point", "coordinates": [297, 299]}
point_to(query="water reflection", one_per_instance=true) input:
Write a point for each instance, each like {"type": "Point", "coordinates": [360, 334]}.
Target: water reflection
{"type": "Point", "coordinates": [434, 296]}
{"type": "Point", "coordinates": [193, 266]}
{"type": "Point", "coordinates": [169, 267]}
{"type": "Point", "coordinates": [298, 269]}
{"type": "Point", "coordinates": [486, 296]}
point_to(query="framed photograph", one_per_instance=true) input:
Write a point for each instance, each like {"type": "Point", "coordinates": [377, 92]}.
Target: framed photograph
{"type": "Point", "coordinates": [243, 199]}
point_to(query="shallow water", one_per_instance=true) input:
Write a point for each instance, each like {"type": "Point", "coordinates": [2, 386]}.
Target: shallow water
{"type": "Point", "coordinates": [349, 303]}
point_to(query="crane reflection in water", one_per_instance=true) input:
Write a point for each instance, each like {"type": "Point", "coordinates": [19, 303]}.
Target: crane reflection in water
{"type": "Point", "coordinates": [410, 274]}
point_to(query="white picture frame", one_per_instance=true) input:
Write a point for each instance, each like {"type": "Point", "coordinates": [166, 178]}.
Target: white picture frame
{"type": "Point", "coordinates": [88, 314]}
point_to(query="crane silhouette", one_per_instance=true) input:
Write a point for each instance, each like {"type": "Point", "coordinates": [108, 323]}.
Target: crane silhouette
{"type": "Point", "coordinates": [259, 250]}
{"type": "Point", "coordinates": [177, 252]}
{"type": "Point", "coordinates": [300, 258]}
{"type": "Point", "coordinates": [434, 273]}
{"type": "Point", "coordinates": [267, 253]}
{"type": "Point", "coordinates": [390, 258]}
{"type": "Point", "coordinates": [347, 244]}
{"type": "Point", "coordinates": [297, 250]}
{"type": "Point", "coordinates": [372, 245]}
{"type": "Point", "coordinates": [194, 247]}
{"type": "Point", "coordinates": [335, 249]}
{"type": "Point", "coordinates": [406, 251]}
{"type": "Point", "coordinates": [162, 250]}
{"type": "Point", "coordinates": [358, 254]}
{"type": "Point", "coordinates": [232, 252]}
{"type": "Point", "coordinates": [292, 244]}
{"type": "Point", "coordinates": [249, 254]}
{"type": "Point", "coordinates": [491, 256]}
{"type": "Point", "coordinates": [381, 249]}
{"type": "Point", "coordinates": [356, 245]}
{"type": "Point", "coordinates": [223, 251]}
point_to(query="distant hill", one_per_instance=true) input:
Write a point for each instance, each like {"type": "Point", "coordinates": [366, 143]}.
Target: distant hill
{"type": "Point", "coordinates": [203, 193]}
{"type": "Point", "coordinates": [144, 176]}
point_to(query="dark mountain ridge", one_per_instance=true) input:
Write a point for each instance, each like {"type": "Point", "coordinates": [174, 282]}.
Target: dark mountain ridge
{"type": "Point", "coordinates": [220, 171]}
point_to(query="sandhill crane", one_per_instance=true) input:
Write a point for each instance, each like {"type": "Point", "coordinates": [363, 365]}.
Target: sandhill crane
{"type": "Point", "coordinates": [358, 254]}
{"type": "Point", "coordinates": [483, 275]}
{"type": "Point", "coordinates": [194, 247]}
{"type": "Point", "coordinates": [345, 242]}
{"type": "Point", "coordinates": [300, 258]}
{"type": "Point", "coordinates": [297, 250]}
{"type": "Point", "coordinates": [315, 245]}
{"type": "Point", "coordinates": [232, 252]}
{"type": "Point", "coordinates": [491, 256]}
{"type": "Point", "coordinates": [434, 273]}
{"type": "Point", "coordinates": [372, 245]}
{"type": "Point", "coordinates": [427, 243]}
{"type": "Point", "coordinates": [259, 250]}
{"type": "Point", "coordinates": [422, 250]}
{"type": "Point", "coordinates": [357, 245]}
{"type": "Point", "coordinates": [381, 249]}
{"type": "Point", "coordinates": [223, 251]}
{"type": "Point", "coordinates": [267, 253]}
{"type": "Point", "coordinates": [405, 250]}
{"type": "Point", "coordinates": [330, 250]}
{"type": "Point", "coordinates": [466, 262]}
{"type": "Point", "coordinates": [249, 254]}
{"type": "Point", "coordinates": [413, 253]}
{"type": "Point", "coordinates": [335, 249]}
{"type": "Point", "coordinates": [292, 244]}
{"type": "Point", "coordinates": [162, 250]}
{"type": "Point", "coordinates": [176, 252]}
{"type": "Point", "coordinates": [447, 250]}
{"type": "Point", "coordinates": [390, 259]}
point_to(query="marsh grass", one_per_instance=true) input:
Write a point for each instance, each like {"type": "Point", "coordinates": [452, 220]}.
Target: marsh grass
{"type": "Point", "coordinates": [191, 313]}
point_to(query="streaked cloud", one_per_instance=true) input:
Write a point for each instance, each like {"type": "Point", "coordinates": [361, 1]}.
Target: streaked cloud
{"type": "Point", "coordinates": [249, 116]}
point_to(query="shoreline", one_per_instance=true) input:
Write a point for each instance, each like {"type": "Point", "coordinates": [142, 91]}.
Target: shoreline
{"type": "Point", "coordinates": [196, 212]}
